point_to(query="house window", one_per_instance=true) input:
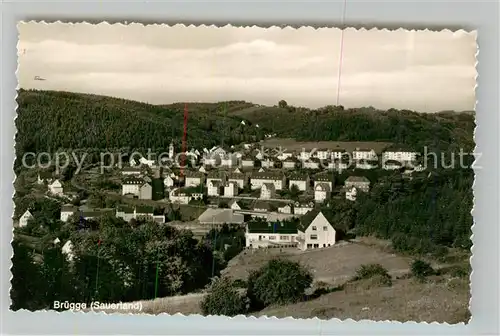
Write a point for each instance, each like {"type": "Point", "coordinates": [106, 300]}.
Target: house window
{"type": "Point", "coordinates": [316, 245]}
{"type": "Point", "coordinates": [272, 237]}
{"type": "Point", "coordinates": [325, 228]}
{"type": "Point", "coordinates": [313, 237]}
{"type": "Point", "coordinates": [309, 246]}
{"type": "Point", "coordinates": [284, 238]}
{"type": "Point", "coordinates": [314, 228]}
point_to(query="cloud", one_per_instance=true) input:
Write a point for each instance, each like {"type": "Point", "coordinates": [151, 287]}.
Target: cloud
{"type": "Point", "coordinates": [422, 71]}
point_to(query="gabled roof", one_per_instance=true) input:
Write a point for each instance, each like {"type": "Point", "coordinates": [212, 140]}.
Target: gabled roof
{"type": "Point", "coordinates": [285, 227]}
{"type": "Point", "coordinates": [269, 186]}
{"type": "Point", "coordinates": [268, 175]}
{"type": "Point", "coordinates": [298, 177]}
{"type": "Point", "coordinates": [324, 177]}
{"type": "Point", "coordinates": [133, 180]}
{"type": "Point", "coordinates": [307, 219]}
{"type": "Point", "coordinates": [236, 176]}
{"type": "Point", "coordinates": [322, 186]}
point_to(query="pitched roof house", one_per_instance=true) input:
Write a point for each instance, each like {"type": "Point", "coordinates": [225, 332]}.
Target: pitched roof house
{"type": "Point", "coordinates": [260, 233]}
{"type": "Point", "coordinates": [316, 230]}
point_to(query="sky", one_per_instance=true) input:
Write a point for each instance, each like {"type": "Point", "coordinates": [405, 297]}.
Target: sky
{"type": "Point", "coordinates": [418, 70]}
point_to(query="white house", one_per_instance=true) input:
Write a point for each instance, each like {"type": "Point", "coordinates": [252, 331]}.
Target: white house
{"type": "Point", "coordinates": [322, 154]}
{"type": "Point", "coordinates": [128, 213]}
{"type": "Point", "coordinates": [267, 163]}
{"type": "Point", "coordinates": [258, 179]}
{"type": "Point", "coordinates": [338, 154]}
{"type": "Point", "coordinates": [338, 164]}
{"type": "Point", "coordinates": [321, 192]}
{"type": "Point", "coordinates": [364, 154]}
{"type": "Point", "coordinates": [311, 164]}
{"type": "Point", "coordinates": [67, 211]}
{"type": "Point", "coordinates": [400, 155]}
{"type": "Point", "coordinates": [168, 182]}
{"type": "Point", "coordinates": [229, 160]}
{"type": "Point", "coordinates": [301, 181]}
{"type": "Point", "coordinates": [234, 205]}
{"type": "Point", "coordinates": [247, 161]}
{"type": "Point", "coordinates": [179, 197]}
{"type": "Point", "coordinates": [286, 209]}
{"type": "Point", "coordinates": [194, 179]}
{"type": "Point", "coordinates": [23, 220]}
{"type": "Point", "coordinates": [230, 189]}
{"type": "Point", "coordinates": [289, 163]}
{"type": "Point", "coordinates": [239, 178]}
{"type": "Point", "coordinates": [360, 182]}
{"type": "Point", "coordinates": [324, 178]}
{"type": "Point", "coordinates": [146, 191]}
{"type": "Point", "coordinates": [132, 186]}
{"type": "Point", "coordinates": [149, 163]}
{"type": "Point", "coordinates": [304, 155]}
{"type": "Point", "coordinates": [283, 156]}
{"type": "Point", "coordinates": [302, 209]}
{"type": "Point", "coordinates": [213, 187]}
{"type": "Point", "coordinates": [56, 188]}
{"type": "Point", "coordinates": [391, 164]}
{"type": "Point", "coordinates": [263, 234]}
{"type": "Point", "coordinates": [268, 191]}
{"type": "Point", "coordinates": [315, 231]}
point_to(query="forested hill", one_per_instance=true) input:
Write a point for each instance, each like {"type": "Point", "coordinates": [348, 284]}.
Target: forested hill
{"type": "Point", "coordinates": [49, 120]}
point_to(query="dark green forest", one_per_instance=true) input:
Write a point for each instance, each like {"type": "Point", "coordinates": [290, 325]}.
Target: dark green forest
{"type": "Point", "coordinates": [50, 120]}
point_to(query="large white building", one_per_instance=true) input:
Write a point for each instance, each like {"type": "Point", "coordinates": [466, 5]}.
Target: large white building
{"type": "Point", "coordinates": [364, 154]}
{"type": "Point", "coordinates": [401, 156]}
{"type": "Point", "coordinates": [315, 231]}
{"type": "Point", "coordinates": [132, 186]}
{"type": "Point", "coordinates": [321, 192]}
{"type": "Point", "coordinates": [194, 179]}
{"type": "Point", "coordinates": [359, 182]}
{"type": "Point", "coordinates": [301, 181]}
{"type": "Point", "coordinates": [262, 234]}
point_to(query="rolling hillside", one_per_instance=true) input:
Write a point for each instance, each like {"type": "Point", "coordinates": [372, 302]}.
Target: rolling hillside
{"type": "Point", "coordinates": [48, 120]}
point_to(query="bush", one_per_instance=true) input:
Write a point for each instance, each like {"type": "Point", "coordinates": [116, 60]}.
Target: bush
{"type": "Point", "coordinates": [223, 299]}
{"type": "Point", "coordinates": [421, 269]}
{"type": "Point", "coordinates": [371, 270]}
{"type": "Point", "coordinates": [278, 282]}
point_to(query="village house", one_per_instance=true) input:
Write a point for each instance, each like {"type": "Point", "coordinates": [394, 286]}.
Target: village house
{"type": "Point", "coordinates": [234, 205]}
{"type": "Point", "coordinates": [402, 156]}
{"type": "Point", "coordinates": [128, 213]}
{"type": "Point", "coordinates": [229, 160]}
{"type": "Point", "coordinates": [146, 191]}
{"type": "Point", "coordinates": [359, 182]}
{"type": "Point", "coordinates": [211, 160]}
{"type": "Point", "coordinates": [230, 189]}
{"type": "Point", "coordinates": [392, 165]}
{"type": "Point", "coordinates": [134, 171]}
{"type": "Point", "coordinates": [23, 220]}
{"type": "Point", "coordinates": [239, 178]}
{"type": "Point", "coordinates": [322, 154]}
{"type": "Point", "coordinates": [261, 206]}
{"type": "Point", "coordinates": [302, 209]}
{"type": "Point", "coordinates": [268, 191]}
{"type": "Point", "coordinates": [312, 163]}
{"type": "Point", "coordinates": [56, 188]}
{"type": "Point", "coordinates": [168, 182]}
{"type": "Point", "coordinates": [267, 163]}
{"type": "Point", "coordinates": [263, 234]}
{"type": "Point", "coordinates": [132, 186]}
{"type": "Point", "coordinates": [339, 154]}
{"type": "Point", "coordinates": [247, 161]}
{"type": "Point", "coordinates": [286, 209]}
{"type": "Point", "coordinates": [194, 179]}
{"type": "Point", "coordinates": [67, 211]}
{"type": "Point", "coordinates": [258, 179]}
{"type": "Point", "coordinates": [302, 181]}
{"type": "Point", "coordinates": [149, 163]}
{"type": "Point", "coordinates": [338, 164]}
{"type": "Point", "coordinates": [290, 163]}
{"type": "Point", "coordinates": [315, 231]}
{"type": "Point", "coordinates": [324, 178]}
{"type": "Point", "coordinates": [364, 154]}
{"type": "Point", "coordinates": [366, 164]}
{"type": "Point", "coordinates": [214, 187]}
{"type": "Point", "coordinates": [322, 192]}
{"type": "Point", "coordinates": [144, 212]}
{"type": "Point", "coordinates": [304, 155]}
{"type": "Point", "coordinates": [178, 196]}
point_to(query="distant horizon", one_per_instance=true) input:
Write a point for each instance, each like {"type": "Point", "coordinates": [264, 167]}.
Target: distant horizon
{"type": "Point", "coordinates": [246, 101]}
{"type": "Point", "coordinates": [422, 71]}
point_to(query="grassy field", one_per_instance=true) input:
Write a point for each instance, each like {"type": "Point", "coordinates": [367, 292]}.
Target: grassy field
{"type": "Point", "coordinates": [442, 298]}
{"type": "Point", "coordinates": [333, 265]}
{"type": "Point", "coordinates": [292, 144]}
